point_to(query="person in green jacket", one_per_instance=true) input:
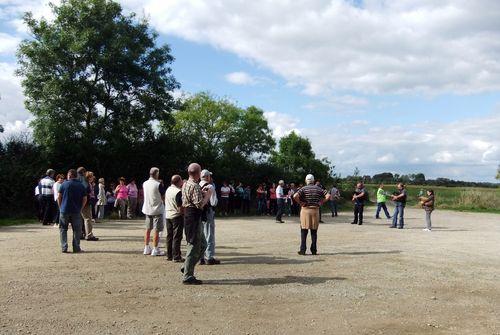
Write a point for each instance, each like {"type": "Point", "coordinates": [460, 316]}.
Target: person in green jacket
{"type": "Point", "coordinates": [381, 199]}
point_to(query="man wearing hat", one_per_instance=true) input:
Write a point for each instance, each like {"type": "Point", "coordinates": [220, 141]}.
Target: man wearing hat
{"type": "Point", "coordinates": [208, 219]}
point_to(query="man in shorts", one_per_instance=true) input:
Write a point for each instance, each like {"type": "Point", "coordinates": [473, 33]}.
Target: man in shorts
{"type": "Point", "coordinates": [154, 209]}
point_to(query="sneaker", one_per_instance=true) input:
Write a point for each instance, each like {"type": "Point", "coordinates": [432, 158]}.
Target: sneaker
{"type": "Point", "coordinates": [192, 281]}
{"type": "Point", "coordinates": [147, 250]}
{"type": "Point", "coordinates": [213, 261]}
{"type": "Point", "coordinates": [302, 253]}
{"type": "Point", "coordinates": [427, 229]}
{"type": "Point", "coordinates": [157, 252]}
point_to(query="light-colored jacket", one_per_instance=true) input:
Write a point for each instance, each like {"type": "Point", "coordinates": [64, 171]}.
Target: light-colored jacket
{"type": "Point", "coordinates": [153, 204]}
{"type": "Point", "coordinates": [101, 196]}
{"type": "Point", "coordinates": [172, 209]}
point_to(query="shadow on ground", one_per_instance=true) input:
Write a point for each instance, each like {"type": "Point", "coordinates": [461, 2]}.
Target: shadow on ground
{"type": "Point", "coordinates": [273, 281]}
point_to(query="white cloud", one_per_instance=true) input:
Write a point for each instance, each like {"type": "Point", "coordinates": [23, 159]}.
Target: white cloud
{"type": "Point", "coordinates": [11, 95]}
{"type": "Point", "coordinates": [281, 124]}
{"type": "Point", "coordinates": [240, 78]}
{"type": "Point", "coordinates": [324, 46]}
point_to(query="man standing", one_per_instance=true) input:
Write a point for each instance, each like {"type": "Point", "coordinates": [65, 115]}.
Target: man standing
{"type": "Point", "coordinates": [280, 201]}
{"type": "Point", "coordinates": [318, 183]}
{"type": "Point", "coordinates": [334, 198]}
{"type": "Point", "coordinates": [359, 203]}
{"type": "Point", "coordinates": [153, 208]}
{"type": "Point", "coordinates": [381, 199]}
{"type": "Point", "coordinates": [175, 221]}
{"type": "Point", "coordinates": [71, 199]}
{"type": "Point", "coordinates": [46, 191]}
{"type": "Point", "coordinates": [208, 219]}
{"type": "Point", "coordinates": [193, 201]}
{"type": "Point", "coordinates": [400, 202]}
{"type": "Point", "coordinates": [132, 199]}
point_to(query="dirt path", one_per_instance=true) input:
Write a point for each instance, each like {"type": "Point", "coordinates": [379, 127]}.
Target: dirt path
{"type": "Point", "coordinates": [367, 280]}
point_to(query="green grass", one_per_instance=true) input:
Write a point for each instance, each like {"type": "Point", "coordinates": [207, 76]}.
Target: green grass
{"type": "Point", "coordinates": [470, 199]}
{"type": "Point", "coordinates": [12, 222]}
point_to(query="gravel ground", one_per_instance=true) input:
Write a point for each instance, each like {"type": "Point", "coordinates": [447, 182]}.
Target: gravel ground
{"type": "Point", "coordinates": [367, 280]}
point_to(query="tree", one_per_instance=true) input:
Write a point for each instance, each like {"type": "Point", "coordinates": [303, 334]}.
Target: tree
{"type": "Point", "coordinates": [295, 158]}
{"type": "Point", "coordinates": [222, 134]}
{"type": "Point", "coordinates": [94, 77]}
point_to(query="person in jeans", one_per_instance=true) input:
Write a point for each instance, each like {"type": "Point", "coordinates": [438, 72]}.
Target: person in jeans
{"type": "Point", "coordinates": [193, 201]}
{"type": "Point", "coordinates": [174, 219]}
{"type": "Point", "coordinates": [280, 201]}
{"type": "Point", "coordinates": [71, 199]}
{"type": "Point", "coordinates": [88, 177]}
{"type": "Point", "coordinates": [208, 219]}
{"type": "Point", "coordinates": [359, 198]}
{"type": "Point", "coordinates": [428, 206]}
{"type": "Point", "coordinates": [132, 199]}
{"type": "Point", "coordinates": [381, 199]}
{"type": "Point", "coordinates": [400, 201]}
{"type": "Point", "coordinates": [310, 198]}
{"type": "Point", "coordinates": [46, 191]}
{"type": "Point", "coordinates": [334, 198]}
{"type": "Point", "coordinates": [121, 192]}
{"type": "Point", "coordinates": [154, 209]}
{"type": "Point", "coordinates": [56, 187]}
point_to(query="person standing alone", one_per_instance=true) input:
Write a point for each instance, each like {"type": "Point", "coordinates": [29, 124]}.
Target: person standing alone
{"type": "Point", "coordinates": [193, 201]}
{"type": "Point", "coordinates": [381, 199]}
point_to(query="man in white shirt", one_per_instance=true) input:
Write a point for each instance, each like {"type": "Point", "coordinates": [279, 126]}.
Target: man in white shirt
{"type": "Point", "coordinates": [45, 188]}
{"type": "Point", "coordinates": [153, 208]}
{"type": "Point", "coordinates": [208, 219]}
{"type": "Point", "coordinates": [280, 200]}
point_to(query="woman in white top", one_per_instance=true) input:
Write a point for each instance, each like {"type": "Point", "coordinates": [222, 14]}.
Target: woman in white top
{"type": "Point", "coordinates": [101, 200]}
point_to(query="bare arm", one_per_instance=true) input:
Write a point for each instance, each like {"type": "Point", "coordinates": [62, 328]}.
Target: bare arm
{"type": "Point", "coordinates": [59, 199]}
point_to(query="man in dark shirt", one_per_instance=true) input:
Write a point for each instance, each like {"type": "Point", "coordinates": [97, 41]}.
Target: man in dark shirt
{"type": "Point", "coordinates": [71, 199]}
{"type": "Point", "coordinates": [359, 198]}
{"type": "Point", "coordinates": [400, 201]}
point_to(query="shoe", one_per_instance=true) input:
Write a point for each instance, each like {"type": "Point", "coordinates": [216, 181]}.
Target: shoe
{"type": "Point", "coordinates": [78, 251]}
{"type": "Point", "coordinates": [427, 229]}
{"type": "Point", "coordinates": [314, 253]}
{"type": "Point", "coordinates": [377, 218]}
{"type": "Point", "coordinates": [147, 250]}
{"type": "Point", "coordinates": [92, 238]}
{"type": "Point", "coordinates": [182, 270]}
{"type": "Point", "coordinates": [354, 223]}
{"type": "Point", "coordinates": [321, 221]}
{"type": "Point", "coordinates": [65, 251]}
{"type": "Point", "coordinates": [192, 281]}
{"type": "Point", "coordinates": [157, 252]}
{"type": "Point", "coordinates": [179, 260]}
{"type": "Point", "coordinates": [360, 224]}
{"type": "Point", "coordinates": [213, 261]}
{"type": "Point", "coordinates": [392, 226]}
{"type": "Point", "coordinates": [202, 261]}
{"type": "Point", "coordinates": [400, 228]}
{"type": "Point", "coordinates": [169, 259]}
{"type": "Point", "coordinates": [302, 253]}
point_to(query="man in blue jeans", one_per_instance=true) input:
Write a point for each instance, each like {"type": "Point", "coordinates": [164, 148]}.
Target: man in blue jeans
{"type": "Point", "coordinates": [208, 219]}
{"type": "Point", "coordinates": [400, 202]}
{"type": "Point", "coordinates": [72, 197]}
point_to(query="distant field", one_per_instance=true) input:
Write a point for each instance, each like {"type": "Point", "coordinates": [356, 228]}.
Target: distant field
{"type": "Point", "coordinates": [474, 199]}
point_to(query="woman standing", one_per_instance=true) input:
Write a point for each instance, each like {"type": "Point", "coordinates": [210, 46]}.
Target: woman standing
{"type": "Point", "coordinates": [101, 199]}
{"type": "Point", "coordinates": [310, 198]}
{"type": "Point", "coordinates": [121, 192]}
{"type": "Point", "coordinates": [261, 200]}
{"type": "Point", "coordinates": [428, 206]}
{"type": "Point", "coordinates": [272, 200]}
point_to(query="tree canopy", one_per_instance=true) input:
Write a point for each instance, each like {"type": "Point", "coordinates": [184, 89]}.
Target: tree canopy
{"type": "Point", "coordinates": [94, 76]}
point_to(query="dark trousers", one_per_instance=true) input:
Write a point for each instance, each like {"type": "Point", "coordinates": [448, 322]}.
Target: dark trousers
{"type": "Point", "coordinates": [245, 206]}
{"type": "Point", "coordinates": [358, 213]}
{"type": "Point", "coordinates": [381, 205]}
{"type": "Point", "coordinates": [303, 239]}
{"type": "Point", "coordinates": [281, 204]}
{"type": "Point", "coordinates": [272, 206]}
{"type": "Point", "coordinates": [47, 202]}
{"type": "Point", "coordinates": [334, 207]}
{"type": "Point", "coordinates": [175, 227]}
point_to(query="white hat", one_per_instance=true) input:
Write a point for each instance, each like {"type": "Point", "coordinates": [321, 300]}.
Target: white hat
{"type": "Point", "coordinates": [205, 173]}
{"type": "Point", "coordinates": [309, 178]}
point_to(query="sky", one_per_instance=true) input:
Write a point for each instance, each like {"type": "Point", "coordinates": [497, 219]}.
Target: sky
{"type": "Point", "coordinates": [400, 86]}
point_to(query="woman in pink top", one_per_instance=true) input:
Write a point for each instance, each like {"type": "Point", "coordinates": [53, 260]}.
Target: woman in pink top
{"type": "Point", "coordinates": [121, 192]}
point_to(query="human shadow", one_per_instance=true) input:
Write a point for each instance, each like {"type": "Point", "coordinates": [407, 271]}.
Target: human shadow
{"type": "Point", "coordinates": [273, 281]}
{"type": "Point", "coordinates": [361, 253]}
{"type": "Point", "coordinates": [269, 260]}
{"type": "Point", "coordinates": [118, 252]}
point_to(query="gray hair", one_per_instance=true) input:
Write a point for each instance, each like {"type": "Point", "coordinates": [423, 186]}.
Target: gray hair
{"type": "Point", "coordinates": [154, 171]}
{"type": "Point", "coordinates": [309, 179]}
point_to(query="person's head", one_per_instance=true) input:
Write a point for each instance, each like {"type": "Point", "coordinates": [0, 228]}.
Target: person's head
{"type": "Point", "coordinates": [381, 185]}
{"type": "Point", "coordinates": [81, 171]}
{"type": "Point", "coordinates": [318, 183]}
{"type": "Point", "coordinates": [176, 180]}
{"type": "Point", "coordinates": [401, 186]}
{"type": "Point", "coordinates": [292, 185]}
{"type": "Point", "coordinates": [60, 178]}
{"type": "Point", "coordinates": [154, 173]}
{"type": "Point", "coordinates": [101, 181]}
{"type": "Point", "coordinates": [206, 175]}
{"type": "Point", "coordinates": [359, 185]}
{"type": "Point", "coordinates": [50, 173]}
{"type": "Point", "coordinates": [225, 183]}
{"type": "Point", "coordinates": [132, 181]}
{"type": "Point", "coordinates": [89, 175]}
{"type": "Point", "coordinates": [71, 174]}
{"type": "Point", "coordinates": [430, 192]}
{"type": "Point", "coordinates": [309, 179]}
{"type": "Point", "coordinates": [121, 180]}
{"type": "Point", "coordinates": [281, 182]}
{"type": "Point", "coordinates": [194, 171]}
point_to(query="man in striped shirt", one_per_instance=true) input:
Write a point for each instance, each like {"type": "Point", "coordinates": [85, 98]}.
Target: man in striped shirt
{"type": "Point", "coordinates": [46, 191]}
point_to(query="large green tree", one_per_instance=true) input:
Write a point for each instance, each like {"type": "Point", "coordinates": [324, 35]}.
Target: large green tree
{"type": "Point", "coordinates": [94, 77]}
{"type": "Point", "coordinates": [222, 134]}
{"type": "Point", "coordinates": [295, 158]}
